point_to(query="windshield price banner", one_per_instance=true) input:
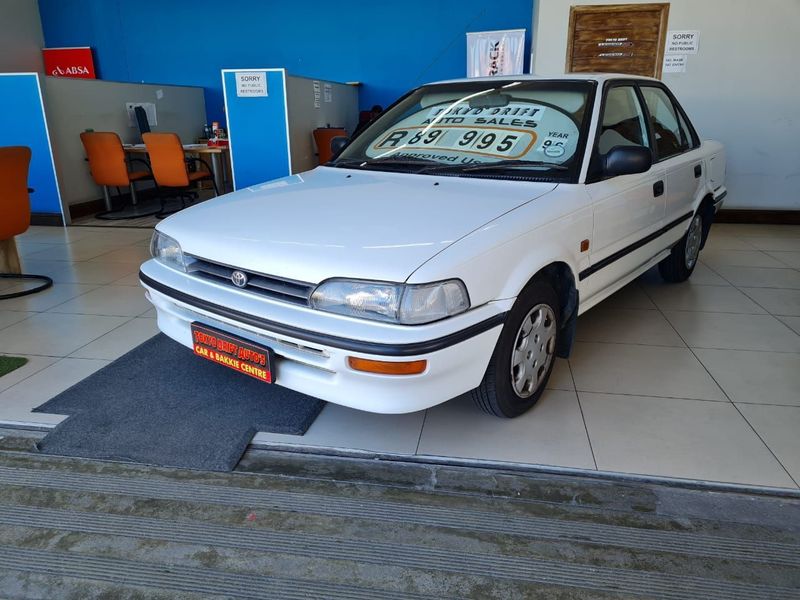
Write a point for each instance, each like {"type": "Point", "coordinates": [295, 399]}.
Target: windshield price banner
{"type": "Point", "coordinates": [460, 133]}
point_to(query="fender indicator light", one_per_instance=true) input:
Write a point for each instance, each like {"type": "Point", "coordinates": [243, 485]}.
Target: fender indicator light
{"type": "Point", "coordinates": [385, 367]}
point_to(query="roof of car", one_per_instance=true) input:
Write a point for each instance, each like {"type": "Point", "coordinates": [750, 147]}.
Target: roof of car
{"type": "Point", "coordinates": [563, 77]}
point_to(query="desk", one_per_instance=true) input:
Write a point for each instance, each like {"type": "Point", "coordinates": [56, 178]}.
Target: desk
{"type": "Point", "coordinates": [217, 154]}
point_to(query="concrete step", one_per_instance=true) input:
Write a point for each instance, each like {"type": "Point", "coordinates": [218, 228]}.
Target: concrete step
{"type": "Point", "coordinates": [94, 528]}
{"type": "Point", "coordinates": [408, 513]}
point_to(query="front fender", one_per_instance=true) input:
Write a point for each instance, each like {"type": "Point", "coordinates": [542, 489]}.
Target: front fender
{"type": "Point", "coordinates": [498, 260]}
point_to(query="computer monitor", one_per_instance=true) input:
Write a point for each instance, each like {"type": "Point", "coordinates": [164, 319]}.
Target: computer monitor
{"type": "Point", "coordinates": [141, 120]}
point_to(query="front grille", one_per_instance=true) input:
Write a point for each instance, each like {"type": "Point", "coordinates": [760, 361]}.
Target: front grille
{"type": "Point", "coordinates": [270, 286]}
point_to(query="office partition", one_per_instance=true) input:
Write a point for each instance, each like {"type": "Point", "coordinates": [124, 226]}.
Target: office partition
{"type": "Point", "coordinates": [75, 105]}
{"type": "Point", "coordinates": [257, 127]}
{"type": "Point", "coordinates": [24, 124]}
{"type": "Point", "coordinates": [271, 116]}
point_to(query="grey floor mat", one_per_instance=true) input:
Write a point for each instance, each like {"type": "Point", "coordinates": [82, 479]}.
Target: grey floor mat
{"type": "Point", "coordinates": [161, 405]}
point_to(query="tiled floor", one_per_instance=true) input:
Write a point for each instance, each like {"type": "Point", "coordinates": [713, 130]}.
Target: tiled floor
{"type": "Point", "coordinates": [699, 380]}
{"type": "Point", "coordinates": [88, 318]}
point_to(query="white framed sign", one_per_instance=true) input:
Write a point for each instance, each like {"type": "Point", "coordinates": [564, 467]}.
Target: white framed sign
{"type": "Point", "coordinates": [674, 63]}
{"type": "Point", "coordinates": [682, 42]}
{"type": "Point", "coordinates": [495, 53]}
{"type": "Point", "coordinates": [251, 83]}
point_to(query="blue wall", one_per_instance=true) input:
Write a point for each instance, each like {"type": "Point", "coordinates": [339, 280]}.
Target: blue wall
{"type": "Point", "coordinates": [24, 125]}
{"type": "Point", "coordinates": [388, 46]}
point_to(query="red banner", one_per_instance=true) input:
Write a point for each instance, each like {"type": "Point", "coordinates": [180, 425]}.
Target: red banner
{"type": "Point", "coordinates": [69, 62]}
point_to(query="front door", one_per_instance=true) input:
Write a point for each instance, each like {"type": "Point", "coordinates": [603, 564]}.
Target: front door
{"type": "Point", "coordinates": [627, 208]}
{"type": "Point", "coordinates": [617, 38]}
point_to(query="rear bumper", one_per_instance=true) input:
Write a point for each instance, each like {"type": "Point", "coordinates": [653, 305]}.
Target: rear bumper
{"type": "Point", "coordinates": [314, 362]}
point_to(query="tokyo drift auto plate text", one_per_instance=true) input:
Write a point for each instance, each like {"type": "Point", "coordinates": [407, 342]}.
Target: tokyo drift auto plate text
{"type": "Point", "coordinates": [232, 352]}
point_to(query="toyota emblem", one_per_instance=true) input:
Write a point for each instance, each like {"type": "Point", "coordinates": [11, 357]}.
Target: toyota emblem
{"type": "Point", "coordinates": [239, 279]}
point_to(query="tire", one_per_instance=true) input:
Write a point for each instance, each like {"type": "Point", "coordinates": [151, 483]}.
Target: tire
{"type": "Point", "coordinates": [678, 266]}
{"type": "Point", "coordinates": [505, 391]}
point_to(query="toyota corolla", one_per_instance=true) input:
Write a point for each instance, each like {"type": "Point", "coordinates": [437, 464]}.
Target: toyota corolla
{"type": "Point", "coordinates": [448, 248]}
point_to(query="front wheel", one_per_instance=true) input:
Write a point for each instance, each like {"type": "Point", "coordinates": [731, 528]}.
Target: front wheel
{"type": "Point", "coordinates": [678, 266]}
{"type": "Point", "coordinates": [524, 356]}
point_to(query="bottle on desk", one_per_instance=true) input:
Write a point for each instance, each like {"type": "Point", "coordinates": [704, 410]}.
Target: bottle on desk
{"type": "Point", "coordinates": [218, 136]}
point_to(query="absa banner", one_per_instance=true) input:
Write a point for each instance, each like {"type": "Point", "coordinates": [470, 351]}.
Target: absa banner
{"type": "Point", "coordinates": [69, 62]}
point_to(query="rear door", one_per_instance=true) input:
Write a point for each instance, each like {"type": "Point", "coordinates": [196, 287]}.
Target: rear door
{"type": "Point", "coordinates": [676, 149]}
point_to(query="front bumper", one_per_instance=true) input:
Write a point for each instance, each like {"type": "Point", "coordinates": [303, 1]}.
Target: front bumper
{"type": "Point", "coordinates": [311, 348]}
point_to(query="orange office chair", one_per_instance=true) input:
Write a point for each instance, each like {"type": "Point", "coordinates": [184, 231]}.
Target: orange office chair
{"type": "Point", "coordinates": [169, 163]}
{"type": "Point", "coordinates": [15, 208]}
{"type": "Point", "coordinates": [109, 169]}
{"type": "Point", "coordinates": [322, 138]}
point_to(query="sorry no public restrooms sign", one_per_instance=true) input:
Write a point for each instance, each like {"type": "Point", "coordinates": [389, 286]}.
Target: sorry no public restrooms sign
{"type": "Point", "coordinates": [251, 83]}
{"type": "Point", "coordinates": [495, 53]}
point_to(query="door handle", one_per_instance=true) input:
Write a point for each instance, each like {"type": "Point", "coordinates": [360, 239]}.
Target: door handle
{"type": "Point", "coordinates": [658, 188]}
{"type": "Point", "coordinates": [698, 170]}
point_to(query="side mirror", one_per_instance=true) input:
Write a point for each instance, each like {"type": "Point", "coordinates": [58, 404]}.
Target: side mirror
{"type": "Point", "coordinates": [627, 160]}
{"type": "Point", "coordinates": [338, 143]}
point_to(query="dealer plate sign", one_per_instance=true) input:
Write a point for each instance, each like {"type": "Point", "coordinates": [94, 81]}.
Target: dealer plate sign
{"type": "Point", "coordinates": [232, 352]}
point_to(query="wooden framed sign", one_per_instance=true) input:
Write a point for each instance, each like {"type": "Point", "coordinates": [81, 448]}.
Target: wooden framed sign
{"type": "Point", "coordinates": [617, 38]}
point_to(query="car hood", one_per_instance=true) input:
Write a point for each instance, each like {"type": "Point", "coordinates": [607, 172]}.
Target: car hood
{"type": "Point", "coordinates": [333, 222]}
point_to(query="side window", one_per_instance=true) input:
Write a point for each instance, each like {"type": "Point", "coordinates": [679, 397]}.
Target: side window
{"type": "Point", "coordinates": [671, 135]}
{"type": "Point", "coordinates": [623, 122]}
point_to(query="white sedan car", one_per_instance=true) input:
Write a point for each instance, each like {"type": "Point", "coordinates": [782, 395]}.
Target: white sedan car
{"type": "Point", "coordinates": [448, 248]}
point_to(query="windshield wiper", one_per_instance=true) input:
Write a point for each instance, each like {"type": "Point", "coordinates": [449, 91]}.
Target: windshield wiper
{"type": "Point", "coordinates": [500, 165]}
{"type": "Point", "coordinates": [347, 162]}
{"type": "Point", "coordinates": [401, 160]}
{"type": "Point", "coordinates": [506, 164]}
{"type": "Point", "coordinates": [430, 165]}
{"type": "Point", "coordinates": [386, 160]}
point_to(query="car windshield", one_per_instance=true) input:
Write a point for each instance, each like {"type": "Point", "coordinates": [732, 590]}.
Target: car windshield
{"type": "Point", "coordinates": [479, 128]}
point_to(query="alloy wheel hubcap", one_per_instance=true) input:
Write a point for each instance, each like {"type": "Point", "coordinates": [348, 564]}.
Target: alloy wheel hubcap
{"type": "Point", "coordinates": [534, 348]}
{"type": "Point", "coordinates": [693, 238]}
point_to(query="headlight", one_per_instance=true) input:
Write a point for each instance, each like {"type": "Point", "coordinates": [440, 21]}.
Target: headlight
{"type": "Point", "coordinates": [407, 304]}
{"type": "Point", "coordinates": [167, 251]}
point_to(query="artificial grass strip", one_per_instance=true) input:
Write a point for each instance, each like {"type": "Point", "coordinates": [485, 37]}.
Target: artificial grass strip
{"type": "Point", "coordinates": [10, 363]}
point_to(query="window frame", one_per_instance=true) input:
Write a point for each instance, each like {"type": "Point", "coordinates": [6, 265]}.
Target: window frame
{"type": "Point", "coordinates": [694, 140]}
{"type": "Point", "coordinates": [594, 172]}
{"type": "Point", "coordinates": [601, 116]}
{"type": "Point", "coordinates": [584, 128]}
